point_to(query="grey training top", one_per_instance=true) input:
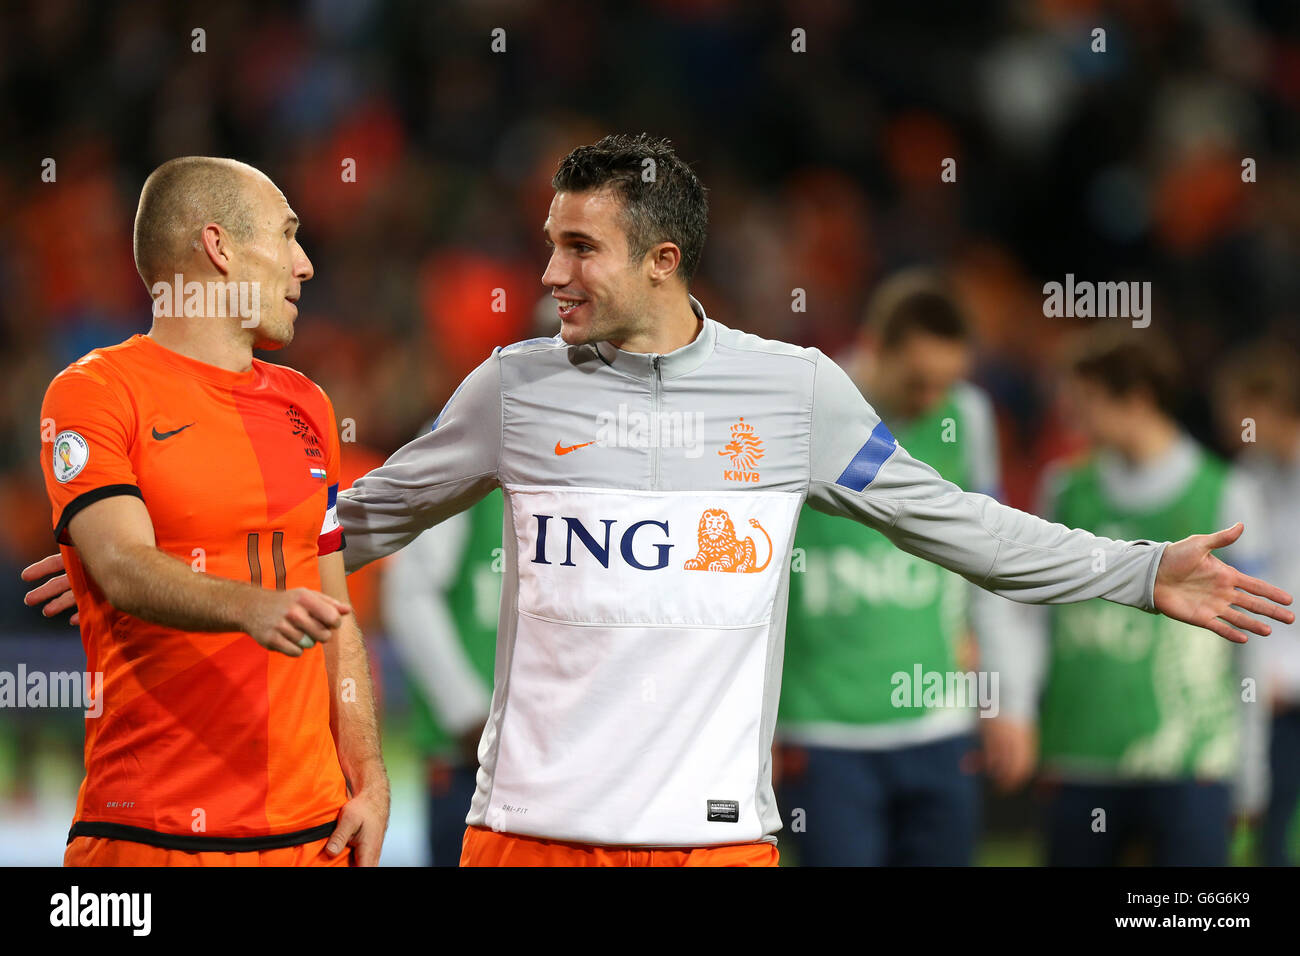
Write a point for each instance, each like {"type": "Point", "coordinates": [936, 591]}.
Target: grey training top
{"type": "Point", "coordinates": [650, 507]}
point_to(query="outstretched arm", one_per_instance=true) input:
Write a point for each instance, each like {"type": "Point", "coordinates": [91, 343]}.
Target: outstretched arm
{"type": "Point", "coordinates": [439, 474]}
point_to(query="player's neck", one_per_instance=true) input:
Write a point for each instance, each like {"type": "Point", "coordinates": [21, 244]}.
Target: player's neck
{"type": "Point", "coordinates": [204, 340]}
{"type": "Point", "coordinates": [1148, 438]}
{"type": "Point", "coordinates": [666, 332]}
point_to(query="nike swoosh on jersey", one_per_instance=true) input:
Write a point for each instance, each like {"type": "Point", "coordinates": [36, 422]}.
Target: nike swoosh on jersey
{"type": "Point", "coordinates": [163, 436]}
{"type": "Point", "coordinates": [563, 450]}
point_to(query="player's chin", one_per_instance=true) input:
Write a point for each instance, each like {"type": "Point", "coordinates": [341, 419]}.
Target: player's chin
{"type": "Point", "coordinates": [585, 332]}
{"type": "Point", "coordinates": [270, 339]}
{"type": "Point", "coordinates": [574, 333]}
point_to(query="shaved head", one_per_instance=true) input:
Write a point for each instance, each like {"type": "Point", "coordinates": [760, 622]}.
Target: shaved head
{"type": "Point", "coordinates": [182, 196]}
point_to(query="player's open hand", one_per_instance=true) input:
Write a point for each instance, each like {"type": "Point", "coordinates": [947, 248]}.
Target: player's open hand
{"type": "Point", "coordinates": [56, 592]}
{"type": "Point", "coordinates": [291, 621]}
{"type": "Point", "coordinates": [1194, 586]}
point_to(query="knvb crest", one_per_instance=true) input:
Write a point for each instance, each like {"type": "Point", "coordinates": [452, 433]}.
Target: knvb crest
{"type": "Point", "coordinates": [745, 449]}
{"type": "Point", "coordinates": [303, 430]}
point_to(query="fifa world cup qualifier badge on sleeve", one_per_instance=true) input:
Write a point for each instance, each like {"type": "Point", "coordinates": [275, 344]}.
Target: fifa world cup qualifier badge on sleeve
{"type": "Point", "coordinates": [71, 452]}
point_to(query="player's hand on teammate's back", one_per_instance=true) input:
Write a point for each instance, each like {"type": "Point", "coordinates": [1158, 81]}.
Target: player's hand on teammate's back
{"type": "Point", "coordinates": [1195, 587]}
{"type": "Point", "coordinates": [56, 592]}
{"type": "Point", "coordinates": [283, 620]}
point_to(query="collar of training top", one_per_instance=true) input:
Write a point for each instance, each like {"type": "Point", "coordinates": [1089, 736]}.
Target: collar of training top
{"type": "Point", "coordinates": [678, 362]}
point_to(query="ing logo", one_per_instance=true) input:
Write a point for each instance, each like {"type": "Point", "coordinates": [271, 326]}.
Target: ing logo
{"type": "Point", "coordinates": [721, 550]}
{"type": "Point", "coordinates": [744, 450]}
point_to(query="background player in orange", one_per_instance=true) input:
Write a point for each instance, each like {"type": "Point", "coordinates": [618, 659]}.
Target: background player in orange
{"type": "Point", "coordinates": [177, 452]}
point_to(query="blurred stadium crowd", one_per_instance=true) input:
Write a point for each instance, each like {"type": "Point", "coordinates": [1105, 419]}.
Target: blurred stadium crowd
{"type": "Point", "coordinates": [823, 169]}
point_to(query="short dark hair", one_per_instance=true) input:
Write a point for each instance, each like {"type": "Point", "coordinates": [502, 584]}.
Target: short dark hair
{"type": "Point", "coordinates": [671, 205]}
{"type": "Point", "coordinates": [915, 300]}
{"type": "Point", "coordinates": [1123, 360]}
{"type": "Point", "coordinates": [1265, 370]}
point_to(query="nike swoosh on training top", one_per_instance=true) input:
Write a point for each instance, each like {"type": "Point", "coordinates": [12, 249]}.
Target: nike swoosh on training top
{"type": "Point", "coordinates": [162, 436]}
{"type": "Point", "coordinates": [562, 450]}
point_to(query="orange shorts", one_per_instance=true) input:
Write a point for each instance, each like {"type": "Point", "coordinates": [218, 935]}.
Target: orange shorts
{"type": "Point", "coordinates": [101, 851]}
{"type": "Point", "coordinates": [484, 847]}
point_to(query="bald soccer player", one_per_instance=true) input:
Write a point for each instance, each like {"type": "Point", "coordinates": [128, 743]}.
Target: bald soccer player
{"type": "Point", "coordinates": [193, 490]}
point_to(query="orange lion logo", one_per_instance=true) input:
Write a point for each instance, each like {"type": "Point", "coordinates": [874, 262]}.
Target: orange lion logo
{"type": "Point", "coordinates": [745, 448]}
{"type": "Point", "coordinates": [721, 550]}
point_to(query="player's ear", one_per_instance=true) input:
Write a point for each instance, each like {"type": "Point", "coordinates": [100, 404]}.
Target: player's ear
{"type": "Point", "coordinates": [664, 259]}
{"type": "Point", "coordinates": [215, 244]}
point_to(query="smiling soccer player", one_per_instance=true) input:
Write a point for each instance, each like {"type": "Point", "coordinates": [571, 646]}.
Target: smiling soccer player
{"type": "Point", "coordinates": [643, 612]}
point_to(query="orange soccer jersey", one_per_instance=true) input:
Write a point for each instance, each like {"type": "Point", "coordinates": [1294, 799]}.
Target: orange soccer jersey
{"type": "Point", "coordinates": [206, 741]}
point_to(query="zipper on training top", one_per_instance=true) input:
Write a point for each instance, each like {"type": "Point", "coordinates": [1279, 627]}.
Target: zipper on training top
{"type": "Point", "coordinates": [654, 428]}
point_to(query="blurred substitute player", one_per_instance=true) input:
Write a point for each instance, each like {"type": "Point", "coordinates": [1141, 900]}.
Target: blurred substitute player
{"type": "Point", "coordinates": [441, 596]}
{"type": "Point", "coordinates": [1258, 398]}
{"type": "Point", "coordinates": [653, 464]}
{"type": "Point", "coordinates": [1142, 717]}
{"type": "Point", "coordinates": [222, 741]}
{"type": "Point", "coordinates": [868, 777]}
